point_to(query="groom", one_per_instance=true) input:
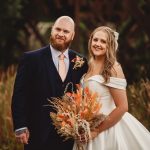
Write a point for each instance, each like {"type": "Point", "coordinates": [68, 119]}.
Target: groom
{"type": "Point", "coordinates": [43, 74]}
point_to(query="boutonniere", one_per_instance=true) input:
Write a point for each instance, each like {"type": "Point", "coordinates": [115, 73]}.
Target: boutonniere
{"type": "Point", "coordinates": [78, 62]}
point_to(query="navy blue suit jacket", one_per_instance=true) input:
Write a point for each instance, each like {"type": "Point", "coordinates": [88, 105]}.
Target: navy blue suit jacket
{"type": "Point", "coordinates": [37, 80]}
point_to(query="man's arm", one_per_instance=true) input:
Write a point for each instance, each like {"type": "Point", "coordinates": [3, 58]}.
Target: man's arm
{"type": "Point", "coordinates": [20, 96]}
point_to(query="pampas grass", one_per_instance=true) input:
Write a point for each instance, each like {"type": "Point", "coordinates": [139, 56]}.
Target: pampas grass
{"type": "Point", "coordinates": [139, 101]}
{"type": "Point", "coordinates": [7, 138]}
{"type": "Point", "coordinates": [138, 97]}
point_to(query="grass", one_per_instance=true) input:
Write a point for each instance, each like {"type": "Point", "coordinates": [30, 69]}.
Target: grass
{"type": "Point", "coordinates": [139, 101]}
{"type": "Point", "coordinates": [138, 97]}
{"type": "Point", "coordinates": [7, 138]}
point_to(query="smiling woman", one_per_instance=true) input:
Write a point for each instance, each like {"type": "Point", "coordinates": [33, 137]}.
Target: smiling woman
{"type": "Point", "coordinates": [105, 76]}
{"type": "Point", "coordinates": [99, 43]}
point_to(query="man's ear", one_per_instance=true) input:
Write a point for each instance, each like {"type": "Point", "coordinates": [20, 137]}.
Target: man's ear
{"type": "Point", "coordinates": [51, 28]}
{"type": "Point", "coordinates": [73, 34]}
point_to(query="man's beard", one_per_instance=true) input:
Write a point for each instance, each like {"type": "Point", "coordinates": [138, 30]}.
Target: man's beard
{"type": "Point", "coordinates": [59, 47]}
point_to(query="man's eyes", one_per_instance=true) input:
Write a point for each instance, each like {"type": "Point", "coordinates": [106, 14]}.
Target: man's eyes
{"type": "Point", "coordinates": [66, 31]}
{"type": "Point", "coordinates": [59, 30]}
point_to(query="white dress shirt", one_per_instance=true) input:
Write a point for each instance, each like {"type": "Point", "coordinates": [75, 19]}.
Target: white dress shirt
{"type": "Point", "coordinates": [55, 56]}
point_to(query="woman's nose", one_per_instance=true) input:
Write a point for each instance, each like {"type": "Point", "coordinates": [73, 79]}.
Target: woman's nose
{"type": "Point", "coordinates": [98, 43]}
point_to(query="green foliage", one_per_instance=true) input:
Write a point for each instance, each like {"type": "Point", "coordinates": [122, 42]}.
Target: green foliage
{"type": "Point", "coordinates": [10, 12]}
{"type": "Point", "coordinates": [20, 32]}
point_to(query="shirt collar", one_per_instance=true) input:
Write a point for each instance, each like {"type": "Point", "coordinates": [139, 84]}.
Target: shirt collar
{"type": "Point", "coordinates": [56, 53]}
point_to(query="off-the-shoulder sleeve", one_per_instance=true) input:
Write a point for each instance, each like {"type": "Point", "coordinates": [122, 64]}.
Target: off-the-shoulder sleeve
{"type": "Point", "coordinates": [117, 83]}
{"type": "Point", "coordinates": [113, 82]}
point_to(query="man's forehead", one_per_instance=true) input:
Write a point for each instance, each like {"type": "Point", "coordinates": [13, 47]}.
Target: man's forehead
{"type": "Point", "coordinates": [64, 23]}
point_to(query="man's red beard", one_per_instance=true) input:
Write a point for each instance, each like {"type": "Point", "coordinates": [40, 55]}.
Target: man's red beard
{"type": "Point", "coordinates": [59, 47]}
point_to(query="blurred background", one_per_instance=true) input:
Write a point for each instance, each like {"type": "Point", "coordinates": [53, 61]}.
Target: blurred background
{"type": "Point", "coordinates": [25, 26]}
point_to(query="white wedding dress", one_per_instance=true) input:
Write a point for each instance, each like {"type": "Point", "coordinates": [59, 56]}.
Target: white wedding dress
{"type": "Point", "coordinates": [128, 133]}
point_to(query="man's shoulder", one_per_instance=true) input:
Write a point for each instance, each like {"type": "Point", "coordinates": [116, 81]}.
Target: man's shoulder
{"type": "Point", "coordinates": [35, 55]}
{"type": "Point", "coordinates": [37, 52]}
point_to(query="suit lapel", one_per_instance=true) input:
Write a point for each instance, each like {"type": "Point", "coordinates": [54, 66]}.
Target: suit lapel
{"type": "Point", "coordinates": [51, 70]}
{"type": "Point", "coordinates": [71, 64]}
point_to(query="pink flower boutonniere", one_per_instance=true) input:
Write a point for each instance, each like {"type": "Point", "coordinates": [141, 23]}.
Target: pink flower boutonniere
{"type": "Point", "coordinates": [78, 62]}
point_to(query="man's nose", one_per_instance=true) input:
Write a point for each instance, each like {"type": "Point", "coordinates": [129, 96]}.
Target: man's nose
{"type": "Point", "coordinates": [61, 33]}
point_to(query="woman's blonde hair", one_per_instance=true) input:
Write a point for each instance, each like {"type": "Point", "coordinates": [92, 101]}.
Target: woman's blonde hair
{"type": "Point", "coordinates": [112, 46]}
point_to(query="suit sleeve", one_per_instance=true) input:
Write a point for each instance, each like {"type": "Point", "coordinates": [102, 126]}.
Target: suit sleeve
{"type": "Point", "coordinates": [20, 94]}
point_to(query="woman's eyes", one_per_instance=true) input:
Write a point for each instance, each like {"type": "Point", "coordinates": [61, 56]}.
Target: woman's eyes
{"type": "Point", "coordinates": [95, 40]}
{"type": "Point", "coordinates": [101, 40]}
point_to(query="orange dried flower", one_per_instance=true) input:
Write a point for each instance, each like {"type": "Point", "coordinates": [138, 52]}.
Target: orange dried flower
{"type": "Point", "coordinates": [77, 111]}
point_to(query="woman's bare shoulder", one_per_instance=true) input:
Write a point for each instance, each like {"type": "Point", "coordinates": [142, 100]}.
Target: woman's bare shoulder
{"type": "Point", "coordinates": [117, 71]}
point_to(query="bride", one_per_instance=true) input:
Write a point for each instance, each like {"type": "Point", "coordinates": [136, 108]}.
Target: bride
{"type": "Point", "coordinates": [120, 131]}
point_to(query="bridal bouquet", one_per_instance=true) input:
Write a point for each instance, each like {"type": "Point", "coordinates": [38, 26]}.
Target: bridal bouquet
{"type": "Point", "coordinates": [76, 114]}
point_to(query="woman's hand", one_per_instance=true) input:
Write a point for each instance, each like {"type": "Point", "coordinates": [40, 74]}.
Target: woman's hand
{"type": "Point", "coordinates": [94, 133]}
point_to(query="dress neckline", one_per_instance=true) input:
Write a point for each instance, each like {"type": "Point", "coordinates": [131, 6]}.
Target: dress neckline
{"type": "Point", "coordinates": [99, 75]}
{"type": "Point", "coordinates": [83, 77]}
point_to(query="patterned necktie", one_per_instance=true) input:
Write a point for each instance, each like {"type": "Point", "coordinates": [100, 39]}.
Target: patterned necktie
{"type": "Point", "coordinates": [62, 67]}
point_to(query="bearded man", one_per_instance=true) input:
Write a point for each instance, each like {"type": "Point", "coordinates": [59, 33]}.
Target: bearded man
{"type": "Point", "coordinates": [43, 74]}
